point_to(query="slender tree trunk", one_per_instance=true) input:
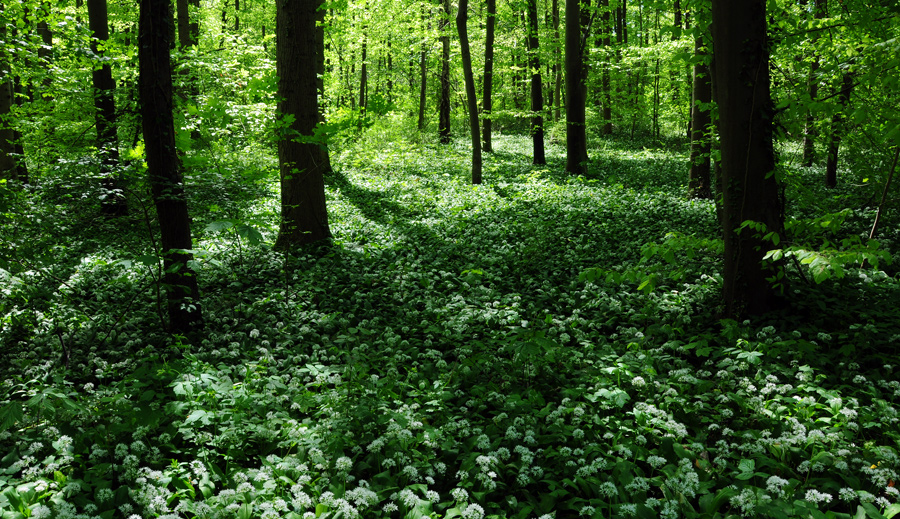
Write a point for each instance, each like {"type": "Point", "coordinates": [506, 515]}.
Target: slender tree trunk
{"type": "Point", "coordinates": [114, 203]}
{"type": "Point", "coordinates": [363, 76]}
{"type": "Point", "coordinates": [809, 132]}
{"type": "Point", "coordinates": [237, 16]}
{"type": "Point", "coordinates": [444, 102]}
{"type": "Point", "coordinates": [487, 102]}
{"type": "Point", "coordinates": [750, 189]}
{"type": "Point", "coordinates": [9, 168]}
{"type": "Point", "coordinates": [469, 77]}
{"type": "Point", "coordinates": [701, 124]}
{"type": "Point", "coordinates": [576, 91]}
{"type": "Point", "coordinates": [423, 79]}
{"type": "Point", "coordinates": [557, 64]}
{"type": "Point", "coordinates": [537, 90]}
{"type": "Point", "coordinates": [163, 166]}
{"type": "Point", "coordinates": [837, 120]}
{"type": "Point", "coordinates": [606, 43]}
{"type": "Point", "coordinates": [302, 155]}
{"type": "Point", "coordinates": [45, 51]}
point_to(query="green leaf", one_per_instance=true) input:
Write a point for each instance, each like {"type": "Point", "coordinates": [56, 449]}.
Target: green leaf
{"type": "Point", "coordinates": [245, 511]}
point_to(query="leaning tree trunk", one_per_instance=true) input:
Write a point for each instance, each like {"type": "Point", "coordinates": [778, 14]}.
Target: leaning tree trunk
{"type": "Point", "coordinates": [114, 202]}
{"type": "Point", "coordinates": [302, 154]}
{"type": "Point", "coordinates": [699, 184]}
{"type": "Point", "coordinates": [487, 102]}
{"type": "Point", "coordinates": [537, 89]}
{"type": "Point", "coordinates": [834, 144]}
{"type": "Point", "coordinates": [469, 78]}
{"type": "Point", "coordinates": [444, 102]}
{"type": "Point", "coordinates": [750, 187]}
{"type": "Point", "coordinates": [163, 167]}
{"type": "Point", "coordinates": [576, 92]}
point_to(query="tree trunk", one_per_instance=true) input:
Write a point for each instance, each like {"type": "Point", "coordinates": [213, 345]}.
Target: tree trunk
{"type": "Point", "coordinates": [469, 77]}
{"type": "Point", "coordinates": [537, 89]}
{"type": "Point", "coordinates": [576, 91]}
{"type": "Point", "coordinates": [557, 64]}
{"type": "Point", "coordinates": [45, 51]}
{"type": "Point", "coordinates": [423, 78]}
{"type": "Point", "coordinates": [163, 166]}
{"type": "Point", "coordinates": [444, 102]}
{"type": "Point", "coordinates": [809, 132]}
{"type": "Point", "coordinates": [302, 155]}
{"type": "Point", "coordinates": [487, 103]}
{"type": "Point", "coordinates": [8, 165]}
{"type": "Point", "coordinates": [750, 188]}
{"type": "Point", "coordinates": [363, 78]}
{"type": "Point", "coordinates": [606, 42]}
{"type": "Point", "coordinates": [114, 202]}
{"type": "Point", "coordinates": [837, 120]}
{"type": "Point", "coordinates": [699, 184]}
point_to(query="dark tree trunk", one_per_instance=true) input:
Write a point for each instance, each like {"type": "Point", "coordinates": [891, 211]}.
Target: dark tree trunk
{"type": "Point", "coordinates": [487, 103]}
{"type": "Point", "coordinates": [105, 115]}
{"type": "Point", "coordinates": [576, 91]}
{"type": "Point", "coordinates": [302, 155]}
{"type": "Point", "coordinates": [701, 121]}
{"type": "Point", "coordinates": [809, 132]}
{"type": "Point", "coordinates": [750, 188]}
{"type": "Point", "coordinates": [834, 144]}
{"type": "Point", "coordinates": [444, 102]}
{"type": "Point", "coordinates": [163, 166]}
{"type": "Point", "coordinates": [363, 78]}
{"type": "Point", "coordinates": [9, 168]}
{"type": "Point", "coordinates": [537, 89]}
{"type": "Point", "coordinates": [469, 79]}
{"type": "Point", "coordinates": [606, 42]}
{"type": "Point", "coordinates": [423, 79]}
{"type": "Point", "coordinates": [237, 17]}
{"type": "Point", "coordinates": [45, 51]}
{"type": "Point", "coordinates": [557, 64]}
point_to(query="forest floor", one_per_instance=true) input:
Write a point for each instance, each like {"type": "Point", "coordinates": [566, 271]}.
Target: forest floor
{"type": "Point", "coordinates": [536, 346]}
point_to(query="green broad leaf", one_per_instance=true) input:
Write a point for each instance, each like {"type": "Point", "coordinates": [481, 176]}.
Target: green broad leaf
{"type": "Point", "coordinates": [320, 509]}
{"type": "Point", "coordinates": [11, 414]}
{"type": "Point", "coordinates": [246, 511]}
{"type": "Point", "coordinates": [872, 512]}
{"type": "Point", "coordinates": [197, 414]}
{"type": "Point", "coordinates": [249, 233]}
{"type": "Point", "coordinates": [220, 225]}
{"type": "Point", "coordinates": [892, 510]}
{"type": "Point", "coordinates": [746, 465]}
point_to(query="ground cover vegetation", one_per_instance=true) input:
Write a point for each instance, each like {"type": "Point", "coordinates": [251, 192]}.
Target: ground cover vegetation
{"type": "Point", "coordinates": [506, 334]}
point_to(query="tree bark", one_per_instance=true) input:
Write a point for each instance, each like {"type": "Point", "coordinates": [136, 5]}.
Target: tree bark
{"type": "Point", "coordinates": [487, 102]}
{"type": "Point", "coordinates": [302, 154]}
{"type": "Point", "coordinates": [701, 124]}
{"type": "Point", "coordinates": [469, 78]}
{"type": "Point", "coordinates": [163, 165]}
{"type": "Point", "coordinates": [809, 132]}
{"type": "Point", "coordinates": [537, 89]}
{"type": "Point", "coordinates": [576, 91]}
{"type": "Point", "coordinates": [8, 165]}
{"type": "Point", "coordinates": [557, 65]}
{"type": "Point", "coordinates": [750, 187]}
{"type": "Point", "coordinates": [423, 78]}
{"type": "Point", "coordinates": [114, 202]}
{"type": "Point", "coordinates": [606, 42]}
{"type": "Point", "coordinates": [444, 102]}
{"type": "Point", "coordinates": [837, 120]}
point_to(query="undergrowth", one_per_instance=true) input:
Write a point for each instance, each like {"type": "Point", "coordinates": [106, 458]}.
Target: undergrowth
{"type": "Point", "coordinates": [446, 357]}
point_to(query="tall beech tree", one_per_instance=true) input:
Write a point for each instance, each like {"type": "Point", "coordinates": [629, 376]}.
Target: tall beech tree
{"type": "Point", "coordinates": [444, 100]}
{"type": "Point", "coordinates": [576, 89]}
{"type": "Point", "coordinates": [163, 165]}
{"type": "Point", "coordinates": [487, 100]}
{"type": "Point", "coordinates": [750, 188]}
{"type": "Point", "coordinates": [837, 123]}
{"type": "Point", "coordinates": [302, 154]}
{"type": "Point", "coordinates": [537, 89]}
{"type": "Point", "coordinates": [469, 78]}
{"type": "Point", "coordinates": [699, 183]}
{"type": "Point", "coordinates": [114, 202]}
